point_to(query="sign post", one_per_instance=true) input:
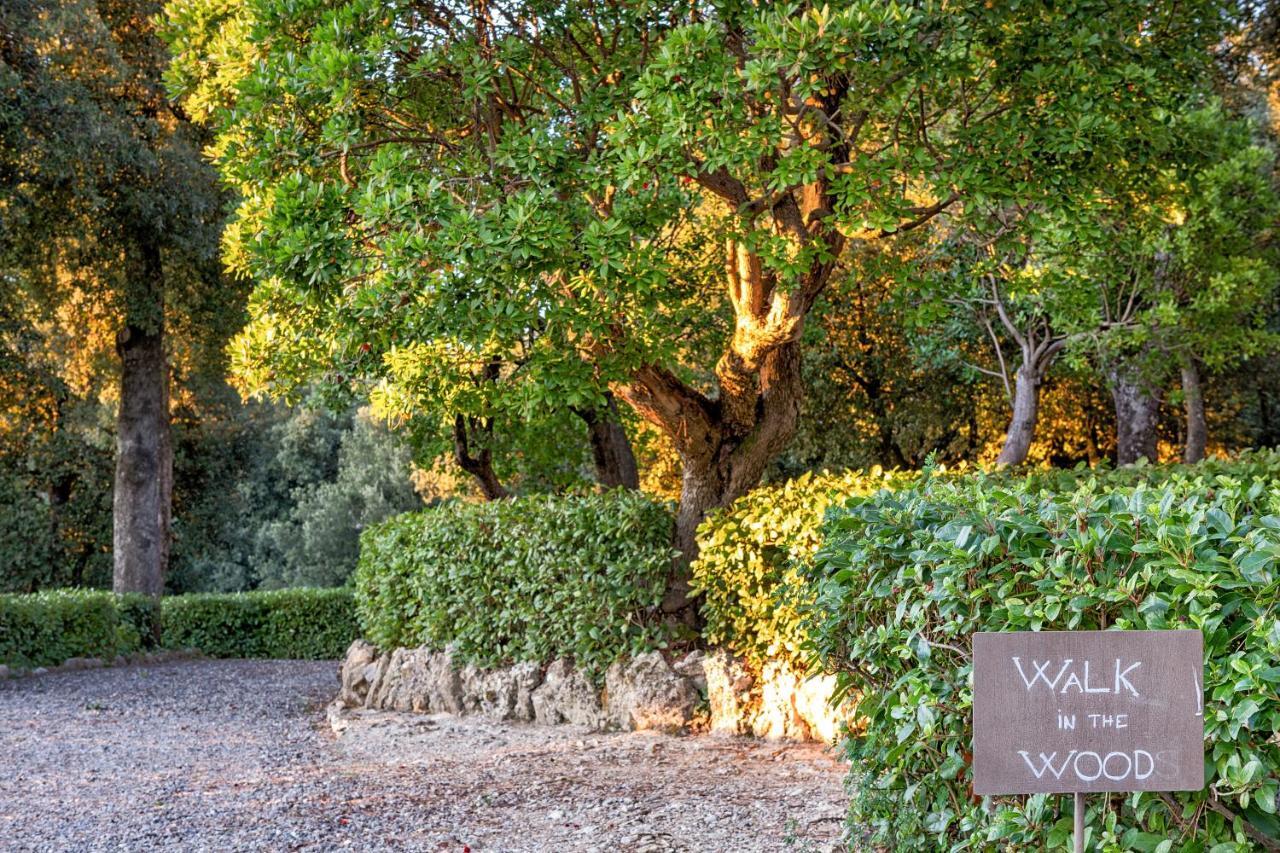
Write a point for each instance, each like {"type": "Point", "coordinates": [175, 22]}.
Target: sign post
{"type": "Point", "coordinates": [1081, 712]}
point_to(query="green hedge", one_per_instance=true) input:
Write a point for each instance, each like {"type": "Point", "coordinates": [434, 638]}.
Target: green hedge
{"type": "Point", "coordinates": [749, 554]}
{"type": "Point", "coordinates": [305, 623]}
{"type": "Point", "coordinates": [905, 578]}
{"type": "Point", "coordinates": [47, 628]}
{"type": "Point", "coordinates": [532, 578]}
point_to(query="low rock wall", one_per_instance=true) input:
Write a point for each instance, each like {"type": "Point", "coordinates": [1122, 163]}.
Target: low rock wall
{"type": "Point", "coordinates": [715, 691]}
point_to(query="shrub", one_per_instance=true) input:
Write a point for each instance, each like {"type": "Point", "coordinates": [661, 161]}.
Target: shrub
{"type": "Point", "coordinates": [47, 628]}
{"type": "Point", "coordinates": [532, 578]}
{"type": "Point", "coordinates": [140, 616]}
{"type": "Point", "coordinates": [314, 624]}
{"type": "Point", "coordinates": [748, 558]}
{"type": "Point", "coordinates": [752, 553]}
{"type": "Point", "coordinates": [903, 579]}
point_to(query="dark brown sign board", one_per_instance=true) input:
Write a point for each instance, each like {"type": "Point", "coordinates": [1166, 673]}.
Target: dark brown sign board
{"type": "Point", "coordinates": [1085, 711]}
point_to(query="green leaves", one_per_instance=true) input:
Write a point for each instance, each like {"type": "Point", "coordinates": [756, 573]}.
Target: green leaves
{"type": "Point", "coordinates": [303, 623]}
{"type": "Point", "coordinates": [1160, 547]}
{"type": "Point", "coordinates": [529, 579]}
{"type": "Point", "coordinates": [749, 557]}
{"type": "Point", "coordinates": [47, 628]}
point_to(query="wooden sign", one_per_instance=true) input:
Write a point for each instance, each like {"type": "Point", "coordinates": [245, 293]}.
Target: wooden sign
{"type": "Point", "coordinates": [1084, 711]}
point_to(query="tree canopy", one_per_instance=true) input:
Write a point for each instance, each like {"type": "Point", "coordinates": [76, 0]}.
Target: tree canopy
{"type": "Point", "coordinates": [642, 197]}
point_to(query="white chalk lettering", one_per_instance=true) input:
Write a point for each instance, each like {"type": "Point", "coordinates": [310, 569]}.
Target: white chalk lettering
{"type": "Point", "coordinates": [1040, 668]}
{"type": "Point", "coordinates": [1046, 763]}
{"type": "Point", "coordinates": [1089, 766]}
{"type": "Point", "coordinates": [1128, 766]}
{"type": "Point", "coordinates": [1097, 759]}
{"type": "Point", "coordinates": [1070, 679]}
{"type": "Point", "coordinates": [1087, 688]}
{"type": "Point", "coordinates": [1120, 677]}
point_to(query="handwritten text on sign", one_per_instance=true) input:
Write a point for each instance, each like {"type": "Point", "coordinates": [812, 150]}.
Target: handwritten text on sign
{"type": "Point", "coordinates": [1062, 711]}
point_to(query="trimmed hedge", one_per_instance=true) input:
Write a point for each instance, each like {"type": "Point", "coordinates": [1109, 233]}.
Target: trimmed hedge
{"type": "Point", "coordinates": [749, 554]}
{"type": "Point", "coordinates": [531, 578]}
{"type": "Point", "coordinates": [47, 628]}
{"type": "Point", "coordinates": [303, 623]}
{"type": "Point", "coordinates": [905, 578]}
{"type": "Point", "coordinates": [752, 553]}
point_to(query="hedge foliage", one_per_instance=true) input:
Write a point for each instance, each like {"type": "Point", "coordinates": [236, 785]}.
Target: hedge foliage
{"type": "Point", "coordinates": [47, 628]}
{"type": "Point", "coordinates": [533, 578]}
{"type": "Point", "coordinates": [303, 623]}
{"type": "Point", "coordinates": [904, 578]}
{"type": "Point", "coordinates": [750, 554]}
{"type": "Point", "coordinates": [753, 553]}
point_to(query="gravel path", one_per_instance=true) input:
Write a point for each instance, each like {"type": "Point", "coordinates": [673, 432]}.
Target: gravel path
{"type": "Point", "coordinates": [236, 755]}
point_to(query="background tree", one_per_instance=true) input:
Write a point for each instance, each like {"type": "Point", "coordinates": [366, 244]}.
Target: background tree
{"type": "Point", "coordinates": [1191, 271]}
{"type": "Point", "coordinates": [106, 200]}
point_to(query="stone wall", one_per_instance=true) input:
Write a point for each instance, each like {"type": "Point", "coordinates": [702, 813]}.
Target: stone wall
{"type": "Point", "coordinates": [696, 691]}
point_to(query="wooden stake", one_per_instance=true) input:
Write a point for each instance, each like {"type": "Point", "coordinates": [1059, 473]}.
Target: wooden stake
{"type": "Point", "coordinates": [1079, 822]}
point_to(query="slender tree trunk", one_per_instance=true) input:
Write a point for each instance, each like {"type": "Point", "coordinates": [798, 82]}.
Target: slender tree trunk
{"type": "Point", "coordinates": [477, 464]}
{"type": "Point", "coordinates": [615, 462]}
{"type": "Point", "coordinates": [1026, 409]}
{"type": "Point", "coordinates": [1137, 408]}
{"type": "Point", "coordinates": [1193, 403]}
{"type": "Point", "coordinates": [144, 458]}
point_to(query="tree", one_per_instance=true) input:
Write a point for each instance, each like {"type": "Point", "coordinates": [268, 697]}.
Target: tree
{"type": "Point", "coordinates": [1148, 272]}
{"type": "Point", "coordinates": [662, 191]}
{"type": "Point", "coordinates": [1194, 273]}
{"type": "Point", "coordinates": [104, 197]}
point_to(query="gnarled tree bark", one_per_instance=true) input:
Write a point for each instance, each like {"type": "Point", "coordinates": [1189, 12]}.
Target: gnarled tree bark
{"type": "Point", "coordinates": [478, 464]}
{"type": "Point", "coordinates": [1022, 424]}
{"type": "Point", "coordinates": [1038, 346]}
{"type": "Point", "coordinates": [615, 462]}
{"type": "Point", "coordinates": [143, 494]}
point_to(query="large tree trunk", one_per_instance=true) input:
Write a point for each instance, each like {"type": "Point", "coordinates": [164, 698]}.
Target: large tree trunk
{"type": "Point", "coordinates": [1137, 407]}
{"type": "Point", "coordinates": [724, 447]}
{"type": "Point", "coordinates": [1193, 403]}
{"type": "Point", "coordinates": [1022, 425]}
{"type": "Point", "coordinates": [144, 459]}
{"type": "Point", "coordinates": [615, 462]}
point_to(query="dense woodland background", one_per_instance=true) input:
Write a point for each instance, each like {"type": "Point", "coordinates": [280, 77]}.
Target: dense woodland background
{"type": "Point", "coordinates": [1141, 313]}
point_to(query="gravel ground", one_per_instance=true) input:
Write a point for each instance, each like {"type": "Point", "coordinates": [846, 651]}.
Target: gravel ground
{"type": "Point", "coordinates": [236, 755]}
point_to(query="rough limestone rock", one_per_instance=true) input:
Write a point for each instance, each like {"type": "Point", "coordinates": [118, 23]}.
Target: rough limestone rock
{"type": "Point", "coordinates": [501, 694]}
{"type": "Point", "coordinates": [355, 675]}
{"type": "Point", "coordinates": [373, 675]}
{"type": "Point", "coordinates": [419, 680]}
{"type": "Point", "coordinates": [646, 693]}
{"type": "Point", "coordinates": [778, 717]}
{"type": "Point", "coordinates": [386, 685]}
{"type": "Point", "coordinates": [338, 714]}
{"type": "Point", "coordinates": [729, 685]}
{"type": "Point", "coordinates": [812, 699]}
{"type": "Point", "coordinates": [691, 666]}
{"type": "Point", "coordinates": [641, 693]}
{"type": "Point", "coordinates": [4, 671]}
{"type": "Point", "coordinates": [567, 696]}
